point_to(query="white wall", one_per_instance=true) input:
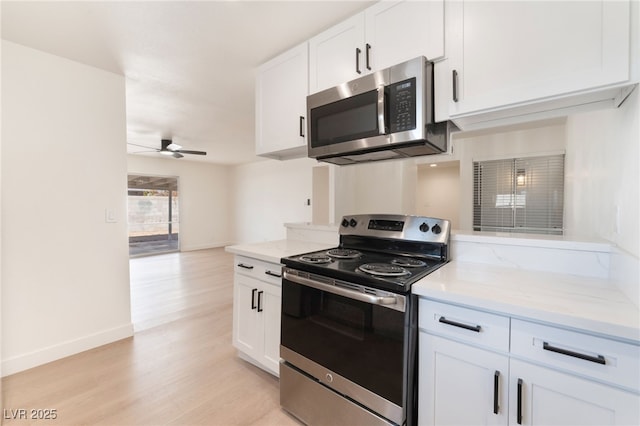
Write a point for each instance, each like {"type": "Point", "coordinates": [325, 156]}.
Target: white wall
{"type": "Point", "coordinates": [206, 209]}
{"type": "Point", "coordinates": [438, 192]}
{"type": "Point", "coordinates": [377, 187]}
{"type": "Point", "coordinates": [65, 272]}
{"type": "Point", "coordinates": [602, 175]}
{"type": "Point", "coordinates": [268, 194]}
{"type": "Point", "coordinates": [603, 185]}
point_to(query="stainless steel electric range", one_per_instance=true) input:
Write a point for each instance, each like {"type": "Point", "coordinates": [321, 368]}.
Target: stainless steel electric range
{"type": "Point", "coordinates": [349, 322]}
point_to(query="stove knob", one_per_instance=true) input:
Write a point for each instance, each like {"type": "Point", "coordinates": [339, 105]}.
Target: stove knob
{"type": "Point", "coordinates": [353, 223]}
{"type": "Point", "coordinates": [345, 222]}
{"type": "Point", "coordinates": [436, 229]}
{"type": "Point", "coordinates": [424, 227]}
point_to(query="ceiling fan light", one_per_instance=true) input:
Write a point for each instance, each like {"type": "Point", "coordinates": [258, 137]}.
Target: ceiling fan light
{"type": "Point", "coordinates": [166, 152]}
{"type": "Point", "coordinates": [174, 147]}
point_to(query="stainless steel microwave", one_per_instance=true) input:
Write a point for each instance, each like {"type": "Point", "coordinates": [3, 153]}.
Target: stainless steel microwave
{"type": "Point", "coordinates": [383, 115]}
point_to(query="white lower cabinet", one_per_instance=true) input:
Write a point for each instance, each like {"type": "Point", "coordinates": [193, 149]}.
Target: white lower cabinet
{"type": "Point", "coordinates": [473, 373]}
{"type": "Point", "coordinates": [543, 396]}
{"type": "Point", "coordinates": [256, 313]}
{"type": "Point", "coordinates": [460, 384]}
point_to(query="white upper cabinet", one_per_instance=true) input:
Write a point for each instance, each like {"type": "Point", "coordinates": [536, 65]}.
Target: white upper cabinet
{"type": "Point", "coordinates": [402, 30]}
{"type": "Point", "coordinates": [385, 34]}
{"type": "Point", "coordinates": [505, 54]}
{"type": "Point", "coordinates": [281, 90]}
{"type": "Point", "coordinates": [337, 54]}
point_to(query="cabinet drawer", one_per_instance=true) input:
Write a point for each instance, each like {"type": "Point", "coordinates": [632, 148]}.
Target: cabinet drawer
{"type": "Point", "coordinates": [593, 357]}
{"type": "Point", "coordinates": [468, 325]}
{"type": "Point", "coordinates": [264, 271]}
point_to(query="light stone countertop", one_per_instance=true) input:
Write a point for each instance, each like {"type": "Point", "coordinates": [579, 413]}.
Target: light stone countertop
{"type": "Point", "coordinates": [273, 251]}
{"type": "Point", "coordinates": [593, 305]}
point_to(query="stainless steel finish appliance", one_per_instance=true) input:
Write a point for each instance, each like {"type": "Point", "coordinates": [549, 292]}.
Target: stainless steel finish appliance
{"type": "Point", "coordinates": [349, 321]}
{"type": "Point", "coordinates": [383, 115]}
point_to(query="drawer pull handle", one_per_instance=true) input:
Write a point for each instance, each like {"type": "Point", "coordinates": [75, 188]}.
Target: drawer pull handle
{"type": "Point", "coordinates": [519, 413]}
{"type": "Point", "coordinates": [273, 274]}
{"type": "Point", "coordinates": [597, 359]}
{"type": "Point", "coordinates": [475, 328]}
{"type": "Point", "coordinates": [253, 298]}
{"type": "Point", "coordinates": [242, 265]}
{"type": "Point", "coordinates": [496, 380]}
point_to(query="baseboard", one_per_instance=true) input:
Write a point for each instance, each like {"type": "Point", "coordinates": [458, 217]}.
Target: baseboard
{"type": "Point", "coordinates": [52, 353]}
{"type": "Point", "coordinates": [203, 246]}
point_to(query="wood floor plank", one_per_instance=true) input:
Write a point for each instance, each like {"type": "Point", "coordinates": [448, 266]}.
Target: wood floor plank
{"type": "Point", "coordinates": [179, 368]}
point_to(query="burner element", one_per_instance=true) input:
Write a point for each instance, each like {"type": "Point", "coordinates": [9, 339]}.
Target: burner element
{"type": "Point", "coordinates": [344, 253]}
{"type": "Point", "coordinates": [316, 259]}
{"type": "Point", "coordinates": [384, 270]}
{"type": "Point", "coordinates": [408, 262]}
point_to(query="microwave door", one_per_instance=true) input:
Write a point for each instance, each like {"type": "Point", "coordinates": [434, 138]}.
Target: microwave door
{"type": "Point", "coordinates": [348, 124]}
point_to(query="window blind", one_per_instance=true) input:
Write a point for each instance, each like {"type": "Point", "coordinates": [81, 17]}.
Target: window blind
{"type": "Point", "coordinates": [519, 195]}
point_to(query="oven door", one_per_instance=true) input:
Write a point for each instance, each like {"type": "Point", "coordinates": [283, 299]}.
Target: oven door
{"type": "Point", "coordinates": [351, 339]}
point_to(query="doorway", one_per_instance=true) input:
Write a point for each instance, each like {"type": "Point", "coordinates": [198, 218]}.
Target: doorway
{"type": "Point", "coordinates": [153, 215]}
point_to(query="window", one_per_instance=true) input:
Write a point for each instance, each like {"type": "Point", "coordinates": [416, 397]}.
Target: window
{"type": "Point", "coordinates": [519, 195]}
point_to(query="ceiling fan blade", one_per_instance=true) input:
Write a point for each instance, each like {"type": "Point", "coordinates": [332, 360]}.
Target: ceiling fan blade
{"type": "Point", "coordinates": [177, 155]}
{"type": "Point", "coordinates": [186, 151]}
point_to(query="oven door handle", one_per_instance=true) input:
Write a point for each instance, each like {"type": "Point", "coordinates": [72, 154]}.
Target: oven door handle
{"type": "Point", "coordinates": [362, 297]}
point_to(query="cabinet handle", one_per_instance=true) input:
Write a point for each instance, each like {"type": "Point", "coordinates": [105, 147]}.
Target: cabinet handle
{"type": "Point", "coordinates": [519, 413]}
{"type": "Point", "coordinates": [597, 359]}
{"type": "Point", "coordinates": [475, 328]}
{"type": "Point", "coordinates": [260, 301]}
{"type": "Point", "coordinates": [242, 265]}
{"type": "Point", "coordinates": [496, 380]}
{"type": "Point", "coordinates": [253, 298]}
{"type": "Point", "coordinates": [367, 56]}
{"type": "Point", "coordinates": [455, 86]}
{"type": "Point", "coordinates": [358, 51]}
{"type": "Point", "coordinates": [301, 126]}
{"type": "Point", "coordinates": [273, 274]}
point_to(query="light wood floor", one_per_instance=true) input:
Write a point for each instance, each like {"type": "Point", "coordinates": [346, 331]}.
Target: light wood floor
{"type": "Point", "coordinates": [179, 369]}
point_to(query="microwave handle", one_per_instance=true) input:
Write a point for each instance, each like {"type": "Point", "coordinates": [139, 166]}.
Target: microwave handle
{"type": "Point", "coordinates": [381, 126]}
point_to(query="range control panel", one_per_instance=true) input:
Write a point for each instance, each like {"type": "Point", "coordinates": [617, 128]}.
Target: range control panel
{"type": "Point", "coordinates": [408, 228]}
{"type": "Point", "coordinates": [402, 105]}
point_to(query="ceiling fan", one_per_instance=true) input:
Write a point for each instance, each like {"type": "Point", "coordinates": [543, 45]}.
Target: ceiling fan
{"type": "Point", "coordinates": [175, 150]}
{"type": "Point", "coordinates": [167, 147]}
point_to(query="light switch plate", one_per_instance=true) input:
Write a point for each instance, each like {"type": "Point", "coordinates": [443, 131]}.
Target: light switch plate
{"type": "Point", "coordinates": [109, 216]}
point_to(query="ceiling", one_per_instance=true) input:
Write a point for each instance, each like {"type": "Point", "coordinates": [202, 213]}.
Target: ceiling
{"type": "Point", "coordinates": [189, 65]}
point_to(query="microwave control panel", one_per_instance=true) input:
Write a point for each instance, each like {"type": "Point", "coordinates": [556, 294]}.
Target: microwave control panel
{"type": "Point", "coordinates": [402, 105]}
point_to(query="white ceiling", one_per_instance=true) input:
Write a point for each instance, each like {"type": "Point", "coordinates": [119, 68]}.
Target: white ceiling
{"type": "Point", "coordinates": [189, 66]}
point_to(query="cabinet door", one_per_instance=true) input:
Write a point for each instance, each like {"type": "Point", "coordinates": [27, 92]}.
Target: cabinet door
{"type": "Point", "coordinates": [548, 397]}
{"type": "Point", "coordinates": [460, 384]}
{"type": "Point", "coordinates": [272, 301]}
{"type": "Point", "coordinates": [397, 31]}
{"type": "Point", "coordinates": [281, 90]}
{"type": "Point", "coordinates": [510, 52]}
{"type": "Point", "coordinates": [336, 55]}
{"type": "Point", "coordinates": [247, 322]}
